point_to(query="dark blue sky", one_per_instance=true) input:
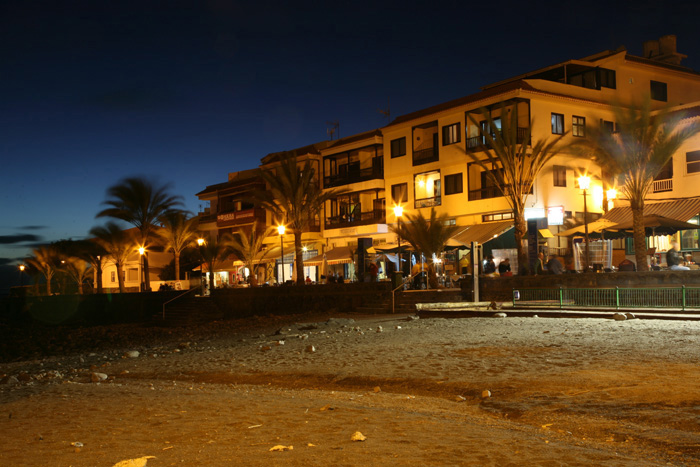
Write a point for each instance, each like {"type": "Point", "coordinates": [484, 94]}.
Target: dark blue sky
{"type": "Point", "coordinates": [187, 91]}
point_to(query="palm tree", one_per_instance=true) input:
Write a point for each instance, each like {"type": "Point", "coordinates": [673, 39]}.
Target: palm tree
{"type": "Point", "coordinates": [77, 269]}
{"type": "Point", "coordinates": [249, 248]}
{"type": "Point", "coordinates": [643, 143]}
{"type": "Point", "coordinates": [86, 250]}
{"type": "Point", "coordinates": [512, 164]}
{"type": "Point", "coordinates": [143, 204]}
{"type": "Point", "coordinates": [295, 198]}
{"type": "Point", "coordinates": [428, 236]}
{"type": "Point", "coordinates": [214, 252]}
{"type": "Point", "coordinates": [45, 261]}
{"type": "Point", "coordinates": [177, 233]}
{"type": "Point", "coordinates": [118, 244]}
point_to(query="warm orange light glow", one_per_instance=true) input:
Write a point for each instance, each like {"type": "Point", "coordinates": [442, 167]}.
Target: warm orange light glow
{"type": "Point", "coordinates": [398, 210]}
{"type": "Point", "coordinates": [612, 193]}
{"type": "Point", "coordinates": [281, 229]}
{"type": "Point", "coordinates": [21, 267]}
{"type": "Point", "coordinates": [142, 250]}
{"type": "Point", "coordinates": [200, 241]}
{"type": "Point", "coordinates": [584, 181]}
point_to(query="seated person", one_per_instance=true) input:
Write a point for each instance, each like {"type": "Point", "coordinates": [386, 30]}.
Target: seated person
{"type": "Point", "coordinates": [674, 259]}
{"type": "Point", "coordinates": [489, 265]}
{"type": "Point", "coordinates": [504, 267]}
{"type": "Point", "coordinates": [554, 266]}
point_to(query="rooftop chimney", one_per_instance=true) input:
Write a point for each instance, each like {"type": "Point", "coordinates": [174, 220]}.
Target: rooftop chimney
{"type": "Point", "coordinates": [663, 50]}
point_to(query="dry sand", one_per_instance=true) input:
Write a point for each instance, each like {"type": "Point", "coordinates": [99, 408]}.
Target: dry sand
{"type": "Point", "coordinates": [562, 392]}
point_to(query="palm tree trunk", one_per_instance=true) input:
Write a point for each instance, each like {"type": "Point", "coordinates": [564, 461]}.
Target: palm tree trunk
{"type": "Point", "coordinates": [520, 232]}
{"type": "Point", "coordinates": [432, 277]}
{"type": "Point", "coordinates": [299, 255]}
{"type": "Point", "coordinates": [640, 244]}
{"type": "Point", "coordinates": [99, 275]}
{"type": "Point", "coordinates": [177, 266]}
{"type": "Point", "coordinates": [120, 278]}
{"type": "Point", "coordinates": [146, 279]}
{"type": "Point", "coordinates": [48, 283]}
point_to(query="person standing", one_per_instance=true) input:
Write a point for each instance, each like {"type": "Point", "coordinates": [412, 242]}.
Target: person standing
{"type": "Point", "coordinates": [504, 268]}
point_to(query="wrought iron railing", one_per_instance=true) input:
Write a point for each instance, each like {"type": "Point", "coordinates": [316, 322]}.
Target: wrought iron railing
{"type": "Point", "coordinates": [683, 298]}
{"type": "Point", "coordinates": [423, 156]}
{"type": "Point", "coordinates": [478, 141]}
{"type": "Point", "coordinates": [354, 176]}
{"type": "Point", "coordinates": [377, 216]}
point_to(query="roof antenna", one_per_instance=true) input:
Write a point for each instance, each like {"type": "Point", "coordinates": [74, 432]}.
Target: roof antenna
{"type": "Point", "coordinates": [335, 128]}
{"type": "Point", "coordinates": [387, 112]}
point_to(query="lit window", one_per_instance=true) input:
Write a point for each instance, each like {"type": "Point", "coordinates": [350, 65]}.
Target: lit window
{"type": "Point", "coordinates": [427, 189]}
{"type": "Point", "coordinates": [557, 124]}
{"type": "Point", "coordinates": [578, 126]}
{"type": "Point", "coordinates": [451, 134]}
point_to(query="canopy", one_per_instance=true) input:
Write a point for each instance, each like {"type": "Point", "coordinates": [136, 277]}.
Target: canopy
{"type": "Point", "coordinates": [680, 209]}
{"type": "Point", "coordinates": [338, 255]}
{"type": "Point", "coordinates": [659, 225]}
{"type": "Point", "coordinates": [593, 227]}
{"type": "Point", "coordinates": [482, 233]}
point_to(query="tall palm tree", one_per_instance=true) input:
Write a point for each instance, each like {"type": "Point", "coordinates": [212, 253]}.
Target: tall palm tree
{"type": "Point", "coordinates": [213, 253]}
{"type": "Point", "coordinates": [118, 244]}
{"type": "Point", "coordinates": [142, 203]}
{"type": "Point", "coordinates": [513, 164]}
{"type": "Point", "coordinates": [248, 247]}
{"type": "Point", "coordinates": [428, 236]}
{"type": "Point", "coordinates": [644, 142]}
{"type": "Point", "coordinates": [77, 269]}
{"type": "Point", "coordinates": [86, 250]}
{"type": "Point", "coordinates": [45, 260]}
{"type": "Point", "coordinates": [177, 233]}
{"type": "Point", "coordinates": [295, 197]}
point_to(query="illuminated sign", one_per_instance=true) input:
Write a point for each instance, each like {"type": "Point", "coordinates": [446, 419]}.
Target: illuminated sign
{"type": "Point", "coordinates": [555, 215]}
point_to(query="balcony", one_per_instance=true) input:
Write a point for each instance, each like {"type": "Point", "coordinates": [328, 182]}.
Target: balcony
{"type": "Point", "coordinates": [247, 216]}
{"type": "Point", "coordinates": [365, 218]}
{"type": "Point", "coordinates": [662, 185]}
{"type": "Point", "coordinates": [424, 156]}
{"type": "Point", "coordinates": [480, 141]}
{"type": "Point", "coordinates": [205, 217]}
{"type": "Point", "coordinates": [354, 175]}
{"type": "Point", "coordinates": [428, 202]}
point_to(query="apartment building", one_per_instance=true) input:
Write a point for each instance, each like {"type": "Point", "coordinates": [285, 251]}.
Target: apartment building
{"type": "Point", "coordinates": [419, 160]}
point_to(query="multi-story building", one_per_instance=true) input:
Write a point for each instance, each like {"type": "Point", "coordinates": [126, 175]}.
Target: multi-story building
{"type": "Point", "coordinates": [419, 160]}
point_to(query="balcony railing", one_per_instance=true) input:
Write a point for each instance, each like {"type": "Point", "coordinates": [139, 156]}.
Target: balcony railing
{"type": "Point", "coordinates": [354, 175]}
{"type": "Point", "coordinates": [428, 202]}
{"type": "Point", "coordinates": [663, 185]}
{"type": "Point", "coordinates": [478, 141]}
{"type": "Point", "coordinates": [423, 156]}
{"type": "Point", "coordinates": [206, 217]}
{"type": "Point", "coordinates": [247, 216]}
{"type": "Point", "coordinates": [377, 216]}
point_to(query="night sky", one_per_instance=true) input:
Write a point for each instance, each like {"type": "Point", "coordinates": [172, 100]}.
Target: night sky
{"type": "Point", "coordinates": [186, 92]}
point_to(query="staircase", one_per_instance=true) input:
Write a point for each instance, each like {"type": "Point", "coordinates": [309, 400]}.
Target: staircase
{"type": "Point", "coordinates": [406, 300]}
{"type": "Point", "coordinates": [189, 311]}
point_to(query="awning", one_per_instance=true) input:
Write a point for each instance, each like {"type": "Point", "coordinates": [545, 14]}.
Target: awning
{"type": "Point", "coordinates": [681, 209]}
{"type": "Point", "coordinates": [593, 227]}
{"type": "Point", "coordinates": [482, 233]}
{"type": "Point", "coordinates": [546, 233]}
{"type": "Point", "coordinates": [338, 255]}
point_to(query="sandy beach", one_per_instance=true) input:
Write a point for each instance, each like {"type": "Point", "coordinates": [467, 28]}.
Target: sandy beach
{"type": "Point", "coordinates": [428, 391]}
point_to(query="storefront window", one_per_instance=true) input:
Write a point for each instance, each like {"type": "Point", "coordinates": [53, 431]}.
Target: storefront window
{"type": "Point", "coordinates": [689, 238]}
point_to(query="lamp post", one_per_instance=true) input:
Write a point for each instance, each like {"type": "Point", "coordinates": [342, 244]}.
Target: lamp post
{"type": "Point", "coordinates": [281, 229]}
{"type": "Point", "coordinates": [21, 278]}
{"type": "Point", "coordinates": [142, 251]}
{"type": "Point", "coordinates": [200, 243]}
{"type": "Point", "coordinates": [398, 212]}
{"type": "Point", "coordinates": [584, 182]}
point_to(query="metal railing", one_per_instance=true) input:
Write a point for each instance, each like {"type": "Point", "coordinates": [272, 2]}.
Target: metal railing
{"type": "Point", "coordinates": [478, 141]}
{"type": "Point", "coordinates": [662, 185]}
{"type": "Point", "coordinates": [683, 298]}
{"type": "Point", "coordinates": [393, 292]}
{"type": "Point", "coordinates": [355, 175]}
{"type": "Point", "coordinates": [364, 218]}
{"type": "Point", "coordinates": [423, 156]}
{"type": "Point", "coordinates": [178, 297]}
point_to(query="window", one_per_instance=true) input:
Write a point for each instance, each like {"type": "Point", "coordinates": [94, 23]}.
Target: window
{"type": "Point", "coordinates": [451, 134]}
{"type": "Point", "coordinates": [658, 91]}
{"type": "Point", "coordinates": [453, 184]}
{"type": "Point", "coordinates": [501, 216]}
{"type": "Point", "coordinates": [607, 78]}
{"type": "Point", "coordinates": [607, 126]}
{"type": "Point", "coordinates": [113, 276]}
{"type": "Point", "coordinates": [578, 126]}
{"type": "Point", "coordinates": [692, 159]}
{"type": "Point", "coordinates": [427, 189]}
{"type": "Point", "coordinates": [557, 124]}
{"type": "Point", "coordinates": [559, 175]}
{"type": "Point", "coordinates": [689, 238]}
{"type": "Point", "coordinates": [398, 147]}
{"type": "Point", "coordinates": [399, 193]}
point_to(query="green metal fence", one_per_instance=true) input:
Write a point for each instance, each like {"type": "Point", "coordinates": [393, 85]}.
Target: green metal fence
{"type": "Point", "coordinates": [684, 298]}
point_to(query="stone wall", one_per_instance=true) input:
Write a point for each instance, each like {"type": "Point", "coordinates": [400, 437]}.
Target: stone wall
{"type": "Point", "coordinates": [343, 298]}
{"type": "Point", "coordinates": [500, 289]}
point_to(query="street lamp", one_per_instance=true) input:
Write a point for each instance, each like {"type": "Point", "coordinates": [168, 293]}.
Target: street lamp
{"type": "Point", "coordinates": [398, 212]}
{"type": "Point", "coordinates": [200, 243]}
{"type": "Point", "coordinates": [280, 230]}
{"type": "Point", "coordinates": [584, 182]}
{"type": "Point", "coordinates": [142, 251]}
{"type": "Point", "coordinates": [21, 278]}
